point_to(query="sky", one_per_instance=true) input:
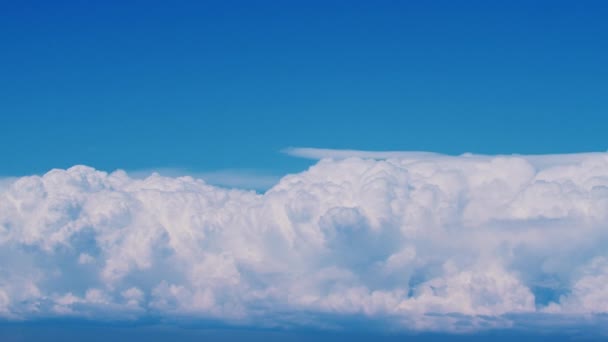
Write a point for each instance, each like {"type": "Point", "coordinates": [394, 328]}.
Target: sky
{"type": "Point", "coordinates": [224, 85]}
{"type": "Point", "coordinates": [435, 168]}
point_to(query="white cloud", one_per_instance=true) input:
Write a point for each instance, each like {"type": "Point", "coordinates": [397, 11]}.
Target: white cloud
{"type": "Point", "coordinates": [324, 153]}
{"type": "Point", "coordinates": [414, 239]}
{"type": "Point", "coordinates": [232, 178]}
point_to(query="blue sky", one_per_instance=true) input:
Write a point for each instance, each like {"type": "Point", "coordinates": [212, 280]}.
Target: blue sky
{"type": "Point", "coordinates": [221, 85]}
{"type": "Point", "coordinates": [231, 92]}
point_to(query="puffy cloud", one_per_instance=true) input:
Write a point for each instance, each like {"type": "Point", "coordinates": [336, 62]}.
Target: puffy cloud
{"type": "Point", "coordinates": [423, 241]}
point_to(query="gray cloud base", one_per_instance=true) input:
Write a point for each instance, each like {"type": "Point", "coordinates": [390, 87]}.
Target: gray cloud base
{"type": "Point", "coordinates": [422, 242]}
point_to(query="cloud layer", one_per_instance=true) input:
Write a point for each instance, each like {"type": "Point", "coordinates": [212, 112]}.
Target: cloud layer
{"type": "Point", "coordinates": [422, 242]}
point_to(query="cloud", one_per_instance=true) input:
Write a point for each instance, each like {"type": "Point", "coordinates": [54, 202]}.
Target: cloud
{"type": "Point", "coordinates": [417, 241]}
{"type": "Point", "coordinates": [244, 179]}
{"type": "Point", "coordinates": [6, 182]}
{"type": "Point", "coordinates": [232, 178]}
{"type": "Point", "coordinates": [539, 160]}
{"type": "Point", "coordinates": [323, 153]}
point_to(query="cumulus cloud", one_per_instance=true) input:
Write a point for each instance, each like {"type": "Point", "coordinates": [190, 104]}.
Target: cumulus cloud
{"type": "Point", "coordinates": [419, 241]}
{"type": "Point", "coordinates": [245, 179]}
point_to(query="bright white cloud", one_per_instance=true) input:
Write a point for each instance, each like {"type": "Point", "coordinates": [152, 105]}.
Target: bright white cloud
{"type": "Point", "coordinates": [416, 240]}
{"type": "Point", "coordinates": [246, 179]}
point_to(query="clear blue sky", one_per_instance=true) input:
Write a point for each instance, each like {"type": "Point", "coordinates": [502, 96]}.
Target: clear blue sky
{"type": "Point", "coordinates": [227, 84]}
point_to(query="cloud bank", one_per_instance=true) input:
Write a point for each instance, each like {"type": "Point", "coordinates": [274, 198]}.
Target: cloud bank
{"type": "Point", "coordinates": [419, 242]}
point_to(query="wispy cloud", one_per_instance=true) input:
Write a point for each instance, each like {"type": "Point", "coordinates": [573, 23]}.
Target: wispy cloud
{"type": "Point", "coordinates": [238, 178]}
{"type": "Point", "coordinates": [538, 160]}
{"type": "Point", "coordinates": [322, 153]}
{"type": "Point", "coordinates": [6, 182]}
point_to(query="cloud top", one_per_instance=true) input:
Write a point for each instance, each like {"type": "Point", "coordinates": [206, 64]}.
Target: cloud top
{"type": "Point", "coordinates": [419, 241]}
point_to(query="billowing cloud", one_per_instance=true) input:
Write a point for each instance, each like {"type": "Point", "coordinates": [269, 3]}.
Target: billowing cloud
{"type": "Point", "coordinates": [245, 179]}
{"type": "Point", "coordinates": [421, 242]}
